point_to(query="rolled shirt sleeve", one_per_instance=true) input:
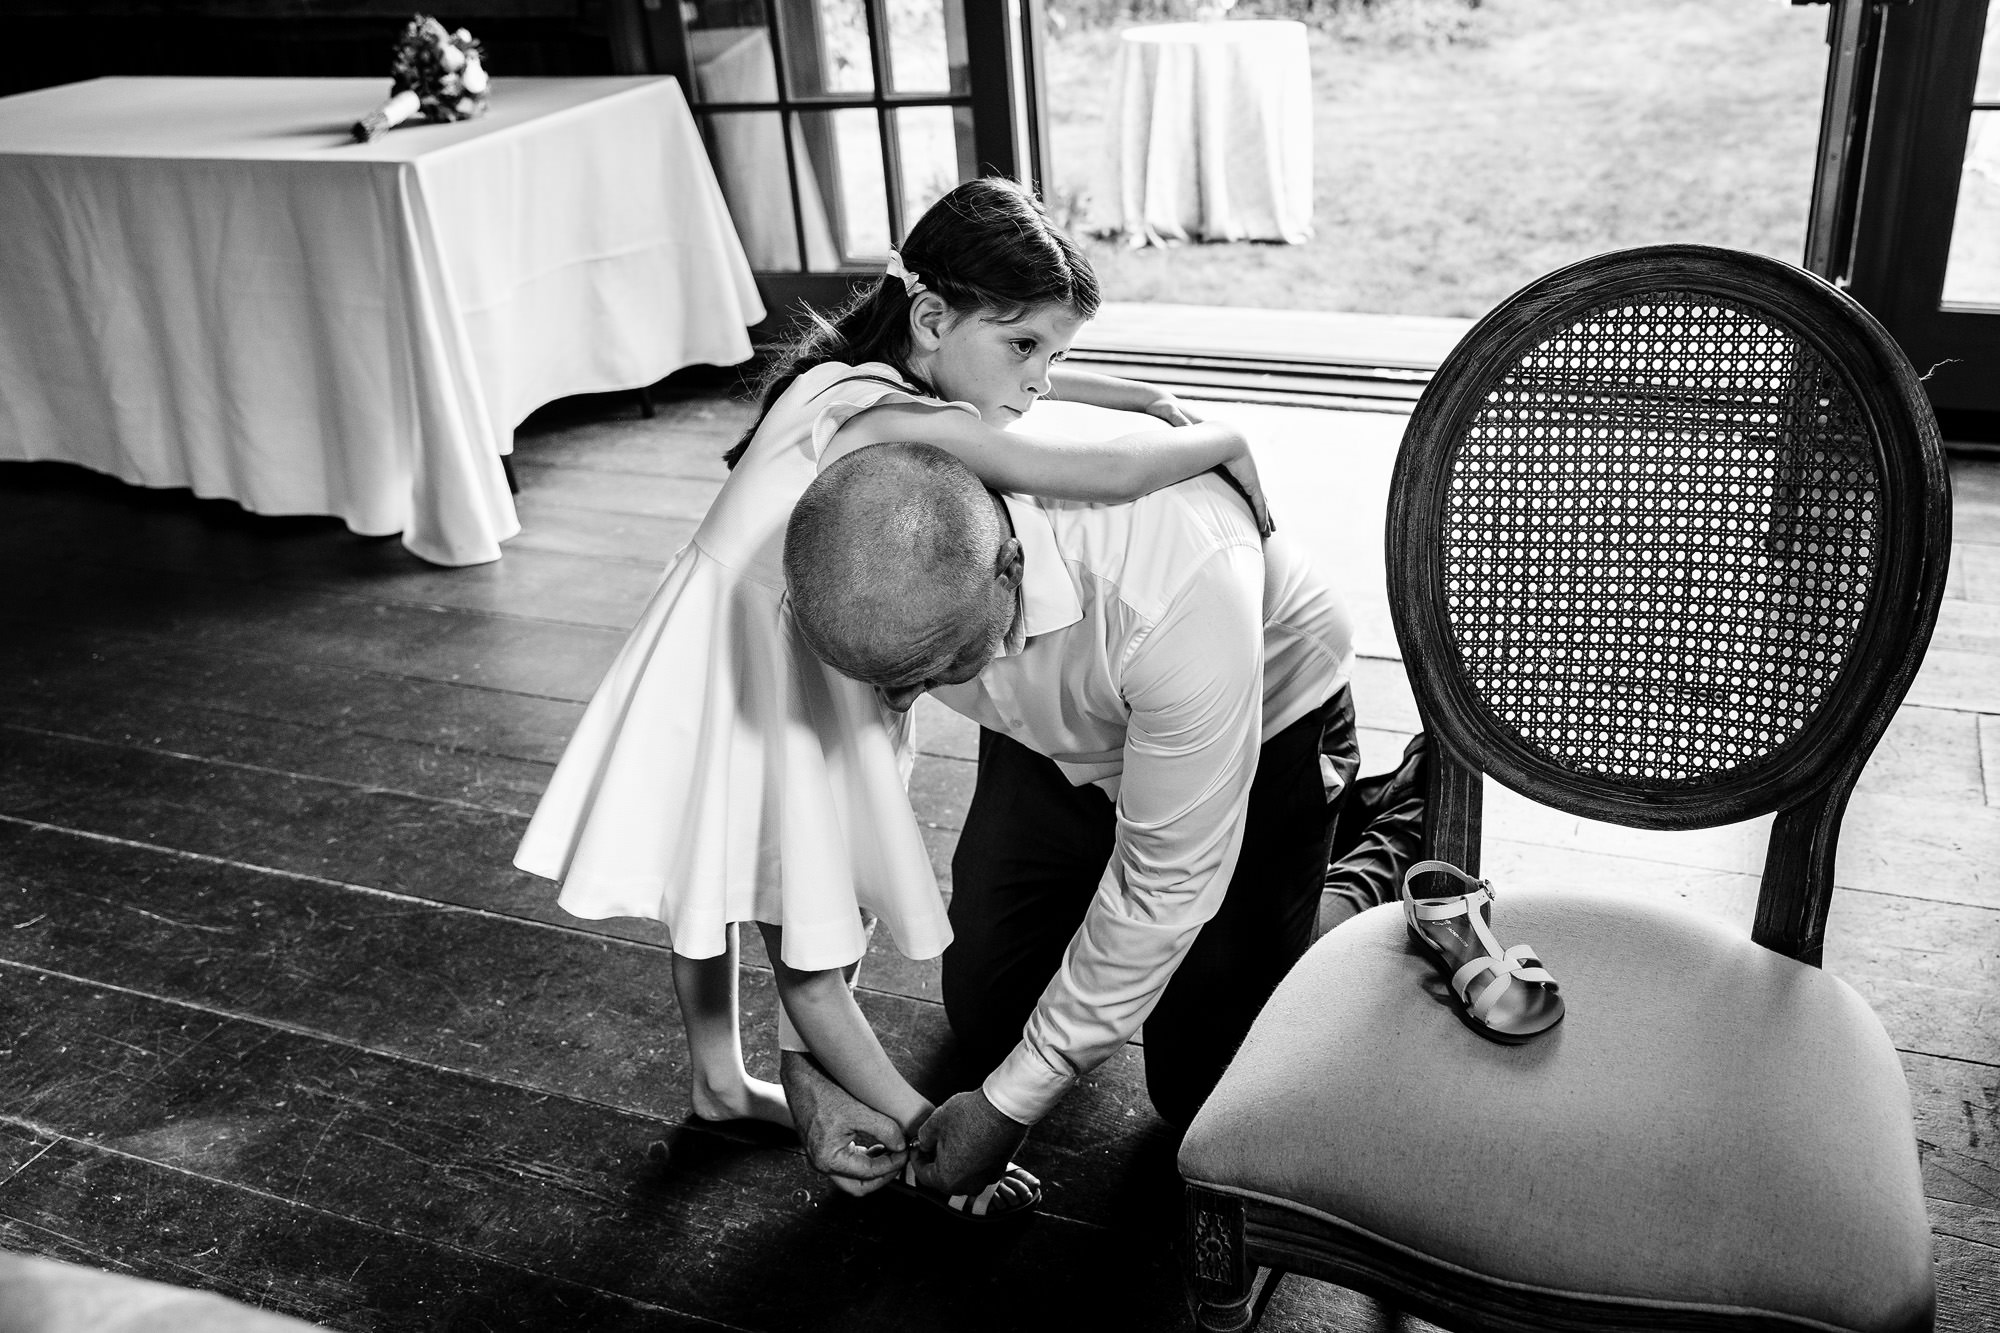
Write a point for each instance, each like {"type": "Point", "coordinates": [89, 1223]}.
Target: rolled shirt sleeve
{"type": "Point", "coordinates": [1195, 687]}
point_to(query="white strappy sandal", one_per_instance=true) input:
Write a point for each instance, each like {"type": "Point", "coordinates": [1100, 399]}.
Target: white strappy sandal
{"type": "Point", "coordinates": [1506, 995]}
{"type": "Point", "coordinates": [985, 1206]}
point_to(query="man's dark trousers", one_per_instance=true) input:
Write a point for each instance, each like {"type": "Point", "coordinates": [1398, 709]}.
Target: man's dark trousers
{"type": "Point", "coordinates": [1028, 863]}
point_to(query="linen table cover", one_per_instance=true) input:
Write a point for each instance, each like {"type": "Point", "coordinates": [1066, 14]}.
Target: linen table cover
{"type": "Point", "coordinates": [1214, 132]}
{"type": "Point", "coordinates": [206, 283]}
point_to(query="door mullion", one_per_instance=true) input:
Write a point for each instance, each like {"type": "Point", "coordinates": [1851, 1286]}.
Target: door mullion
{"type": "Point", "coordinates": [782, 73]}
{"type": "Point", "coordinates": [892, 176]}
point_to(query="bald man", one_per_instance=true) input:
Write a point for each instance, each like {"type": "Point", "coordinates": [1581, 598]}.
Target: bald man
{"type": "Point", "coordinates": [1166, 738]}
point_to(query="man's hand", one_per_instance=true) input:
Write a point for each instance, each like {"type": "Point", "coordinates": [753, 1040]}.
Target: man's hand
{"type": "Point", "coordinates": [966, 1144]}
{"type": "Point", "coordinates": [837, 1130]}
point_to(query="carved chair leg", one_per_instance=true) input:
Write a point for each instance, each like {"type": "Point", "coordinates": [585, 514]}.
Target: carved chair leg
{"type": "Point", "coordinates": [1218, 1273]}
{"type": "Point", "coordinates": [1221, 1317]}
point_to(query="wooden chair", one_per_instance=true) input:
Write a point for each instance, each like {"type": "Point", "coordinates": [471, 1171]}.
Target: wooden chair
{"type": "Point", "coordinates": [1666, 542]}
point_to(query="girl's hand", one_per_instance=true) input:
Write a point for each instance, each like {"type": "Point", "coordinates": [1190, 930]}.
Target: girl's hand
{"type": "Point", "coordinates": [1243, 471]}
{"type": "Point", "coordinates": [1171, 410]}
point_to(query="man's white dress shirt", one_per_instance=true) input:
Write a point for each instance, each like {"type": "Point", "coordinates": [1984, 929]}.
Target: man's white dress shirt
{"type": "Point", "coordinates": [1158, 644]}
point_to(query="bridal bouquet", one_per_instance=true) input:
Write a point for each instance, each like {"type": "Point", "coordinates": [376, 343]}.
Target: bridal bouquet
{"type": "Point", "coordinates": [433, 71]}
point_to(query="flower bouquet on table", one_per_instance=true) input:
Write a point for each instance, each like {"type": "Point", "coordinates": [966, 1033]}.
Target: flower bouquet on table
{"type": "Point", "coordinates": [432, 71]}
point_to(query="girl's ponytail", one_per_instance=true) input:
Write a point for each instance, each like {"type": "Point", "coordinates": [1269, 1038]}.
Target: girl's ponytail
{"type": "Point", "coordinates": [986, 245]}
{"type": "Point", "coordinates": [870, 319]}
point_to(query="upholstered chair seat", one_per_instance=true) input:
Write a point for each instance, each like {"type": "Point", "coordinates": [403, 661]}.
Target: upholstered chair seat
{"type": "Point", "coordinates": [1714, 1128]}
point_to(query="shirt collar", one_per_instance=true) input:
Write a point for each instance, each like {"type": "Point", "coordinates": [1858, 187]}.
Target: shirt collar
{"type": "Point", "coordinates": [1047, 599]}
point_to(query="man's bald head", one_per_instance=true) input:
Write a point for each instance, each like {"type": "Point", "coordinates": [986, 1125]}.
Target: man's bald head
{"type": "Point", "coordinates": [899, 567]}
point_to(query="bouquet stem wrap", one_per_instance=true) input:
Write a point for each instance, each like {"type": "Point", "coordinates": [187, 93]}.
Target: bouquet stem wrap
{"type": "Point", "coordinates": [438, 73]}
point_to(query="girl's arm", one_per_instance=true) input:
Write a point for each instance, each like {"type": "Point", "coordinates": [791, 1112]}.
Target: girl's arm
{"type": "Point", "coordinates": [1099, 471]}
{"type": "Point", "coordinates": [822, 1008]}
{"type": "Point", "coordinates": [1070, 385]}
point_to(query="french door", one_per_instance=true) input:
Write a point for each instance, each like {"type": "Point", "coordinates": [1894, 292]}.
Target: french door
{"type": "Point", "coordinates": [1917, 236]}
{"type": "Point", "coordinates": [833, 124]}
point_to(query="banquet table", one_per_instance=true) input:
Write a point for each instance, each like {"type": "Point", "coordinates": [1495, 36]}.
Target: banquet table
{"type": "Point", "coordinates": [206, 283]}
{"type": "Point", "coordinates": [1214, 132]}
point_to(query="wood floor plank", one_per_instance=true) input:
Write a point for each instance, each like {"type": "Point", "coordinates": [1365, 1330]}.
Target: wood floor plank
{"type": "Point", "coordinates": [642, 494]}
{"type": "Point", "coordinates": [172, 729]}
{"type": "Point", "coordinates": [589, 1018]}
{"type": "Point", "coordinates": [535, 1183]}
{"type": "Point", "coordinates": [87, 668]}
{"type": "Point", "coordinates": [940, 731]}
{"type": "Point", "coordinates": [120, 536]}
{"type": "Point", "coordinates": [524, 656]}
{"type": "Point", "coordinates": [1968, 1281]}
{"type": "Point", "coordinates": [512, 786]}
{"type": "Point", "coordinates": [110, 1211]}
{"type": "Point", "coordinates": [687, 440]}
{"type": "Point", "coordinates": [1975, 500]}
{"type": "Point", "coordinates": [572, 1013]}
{"type": "Point", "coordinates": [535, 584]}
{"type": "Point", "coordinates": [650, 542]}
{"type": "Point", "coordinates": [1950, 678]}
{"type": "Point", "coordinates": [324, 807]}
{"type": "Point", "coordinates": [1957, 1106]}
{"type": "Point", "coordinates": [940, 788]}
{"type": "Point", "coordinates": [386, 840]}
{"type": "Point", "coordinates": [1908, 846]}
{"type": "Point", "coordinates": [1927, 754]}
{"type": "Point", "coordinates": [542, 1183]}
{"type": "Point", "coordinates": [1925, 967]}
{"type": "Point", "coordinates": [350, 828]}
{"type": "Point", "coordinates": [1975, 572]}
{"type": "Point", "coordinates": [1968, 626]}
{"type": "Point", "coordinates": [1956, 1220]}
{"type": "Point", "coordinates": [1382, 697]}
{"type": "Point", "coordinates": [1989, 757]}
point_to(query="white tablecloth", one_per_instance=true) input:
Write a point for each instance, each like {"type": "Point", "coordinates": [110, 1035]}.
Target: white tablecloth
{"type": "Point", "coordinates": [1214, 132]}
{"type": "Point", "coordinates": [205, 283]}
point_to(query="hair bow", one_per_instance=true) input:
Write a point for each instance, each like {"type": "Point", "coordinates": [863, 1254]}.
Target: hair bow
{"type": "Point", "coordinates": [912, 284]}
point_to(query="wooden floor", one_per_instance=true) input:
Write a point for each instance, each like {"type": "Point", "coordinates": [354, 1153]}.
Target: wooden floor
{"type": "Point", "coordinates": [286, 1024]}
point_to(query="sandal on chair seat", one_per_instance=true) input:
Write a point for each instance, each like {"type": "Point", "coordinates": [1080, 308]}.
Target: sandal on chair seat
{"type": "Point", "coordinates": [988, 1205]}
{"type": "Point", "coordinates": [1506, 995]}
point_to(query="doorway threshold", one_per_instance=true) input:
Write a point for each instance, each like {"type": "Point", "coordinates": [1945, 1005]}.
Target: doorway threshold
{"type": "Point", "coordinates": [1243, 354]}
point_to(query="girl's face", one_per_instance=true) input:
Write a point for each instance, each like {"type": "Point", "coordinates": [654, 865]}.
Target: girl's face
{"type": "Point", "coordinates": [1001, 368]}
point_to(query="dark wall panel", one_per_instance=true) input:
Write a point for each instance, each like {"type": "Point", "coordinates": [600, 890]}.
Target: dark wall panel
{"type": "Point", "coordinates": [45, 42]}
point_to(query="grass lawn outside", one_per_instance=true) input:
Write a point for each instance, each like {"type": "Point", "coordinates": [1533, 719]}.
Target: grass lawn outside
{"type": "Point", "coordinates": [1460, 152]}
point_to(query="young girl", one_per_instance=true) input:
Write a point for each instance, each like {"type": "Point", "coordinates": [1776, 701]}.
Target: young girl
{"type": "Point", "coordinates": [721, 774]}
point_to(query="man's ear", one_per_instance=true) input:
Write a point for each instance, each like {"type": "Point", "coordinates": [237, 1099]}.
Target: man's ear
{"type": "Point", "coordinates": [928, 317]}
{"type": "Point", "coordinates": [1009, 566]}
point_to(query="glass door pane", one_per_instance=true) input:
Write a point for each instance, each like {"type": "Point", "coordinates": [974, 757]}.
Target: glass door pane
{"type": "Point", "coordinates": [1972, 270]}
{"type": "Point", "coordinates": [833, 124]}
{"type": "Point", "coordinates": [827, 50]}
{"type": "Point", "coordinates": [927, 46]}
{"type": "Point", "coordinates": [933, 153]}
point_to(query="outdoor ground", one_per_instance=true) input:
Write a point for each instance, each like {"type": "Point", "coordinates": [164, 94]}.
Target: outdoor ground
{"type": "Point", "coordinates": [284, 1022]}
{"type": "Point", "coordinates": [1462, 151]}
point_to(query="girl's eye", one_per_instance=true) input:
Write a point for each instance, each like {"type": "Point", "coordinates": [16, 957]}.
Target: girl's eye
{"type": "Point", "coordinates": [1025, 346]}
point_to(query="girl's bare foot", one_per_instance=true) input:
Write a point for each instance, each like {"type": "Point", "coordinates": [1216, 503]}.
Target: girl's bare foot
{"type": "Point", "coordinates": [745, 1098]}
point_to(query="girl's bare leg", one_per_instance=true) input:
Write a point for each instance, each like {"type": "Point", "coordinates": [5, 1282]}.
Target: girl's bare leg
{"type": "Point", "coordinates": [721, 1088]}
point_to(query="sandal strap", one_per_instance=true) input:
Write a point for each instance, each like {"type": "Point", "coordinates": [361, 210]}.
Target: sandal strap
{"type": "Point", "coordinates": [1441, 867]}
{"type": "Point", "coordinates": [1445, 909]}
{"type": "Point", "coordinates": [1446, 906]}
{"type": "Point", "coordinates": [1517, 964]}
{"type": "Point", "coordinates": [1526, 966]}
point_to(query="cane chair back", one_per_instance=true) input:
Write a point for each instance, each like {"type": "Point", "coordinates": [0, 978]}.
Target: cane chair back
{"type": "Point", "coordinates": [1666, 540]}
